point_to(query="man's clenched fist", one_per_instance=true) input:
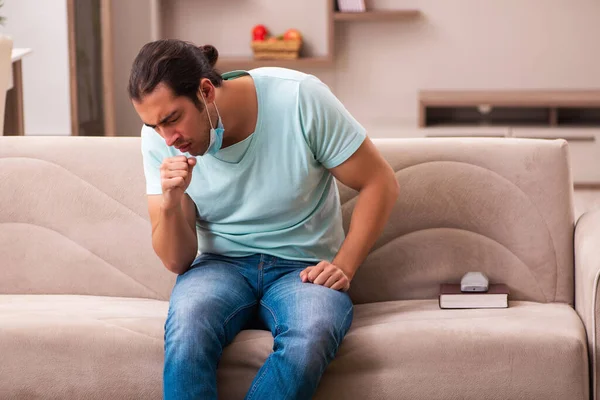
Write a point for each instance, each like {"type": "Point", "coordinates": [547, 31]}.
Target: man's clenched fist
{"type": "Point", "coordinates": [175, 177]}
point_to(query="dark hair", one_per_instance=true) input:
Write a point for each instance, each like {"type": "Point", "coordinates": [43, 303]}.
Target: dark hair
{"type": "Point", "coordinates": [178, 64]}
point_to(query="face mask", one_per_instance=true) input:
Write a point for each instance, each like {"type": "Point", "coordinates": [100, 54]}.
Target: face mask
{"type": "Point", "coordinates": [216, 135]}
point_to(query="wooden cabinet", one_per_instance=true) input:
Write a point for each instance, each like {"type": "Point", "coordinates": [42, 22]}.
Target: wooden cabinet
{"type": "Point", "coordinates": [573, 115]}
{"type": "Point", "coordinates": [91, 70]}
{"type": "Point", "coordinates": [533, 108]}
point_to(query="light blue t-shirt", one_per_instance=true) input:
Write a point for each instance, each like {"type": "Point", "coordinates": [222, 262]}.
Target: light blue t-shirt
{"type": "Point", "coordinates": [276, 195]}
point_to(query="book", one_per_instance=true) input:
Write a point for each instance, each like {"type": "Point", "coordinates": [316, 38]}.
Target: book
{"type": "Point", "coordinates": [452, 297]}
{"type": "Point", "coordinates": [351, 5]}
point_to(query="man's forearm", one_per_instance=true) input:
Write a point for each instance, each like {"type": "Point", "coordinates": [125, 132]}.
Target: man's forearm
{"type": "Point", "coordinates": [173, 240]}
{"type": "Point", "coordinates": [371, 212]}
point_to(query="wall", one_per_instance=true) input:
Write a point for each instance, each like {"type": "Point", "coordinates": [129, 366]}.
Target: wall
{"type": "Point", "coordinates": [228, 24]}
{"type": "Point", "coordinates": [195, 21]}
{"type": "Point", "coordinates": [463, 44]}
{"type": "Point", "coordinates": [381, 66]}
{"type": "Point", "coordinates": [42, 26]}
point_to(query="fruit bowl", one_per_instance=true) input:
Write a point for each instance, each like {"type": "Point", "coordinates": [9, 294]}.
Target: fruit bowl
{"type": "Point", "coordinates": [283, 47]}
{"type": "Point", "coordinates": [276, 49]}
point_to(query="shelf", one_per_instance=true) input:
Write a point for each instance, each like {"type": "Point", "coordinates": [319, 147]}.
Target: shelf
{"type": "Point", "coordinates": [514, 98]}
{"type": "Point", "coordinates": [533, 108]}
{"type": "Point", "coordinates": [230, 63]}
{"type": "Point", "coordinates": [586, 186]}
{"type": "Point", "coordinates": [381, 15]}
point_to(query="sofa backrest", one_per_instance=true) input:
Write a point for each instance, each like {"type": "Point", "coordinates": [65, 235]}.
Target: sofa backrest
{"type": "Point", "coordinates": [73, 219]}
{"type": "Point", "coordinates": [502, 206]}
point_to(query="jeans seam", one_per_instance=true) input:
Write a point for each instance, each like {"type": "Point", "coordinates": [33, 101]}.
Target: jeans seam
{"type": "Point", "coordinates": [337, 345]}
{"type": "Point", "coordinates": [273, 315]}
{"type": "Point", "coordinates": [236, 311]}
{"type": "Point", "coordinates": [259, 278]}
{"type": "Point", "coordinates": [258, 380]}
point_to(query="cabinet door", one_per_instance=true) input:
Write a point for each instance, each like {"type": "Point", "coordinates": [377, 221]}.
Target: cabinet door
{"type": "Point", "coordinates": [584, 148]}
{"type": "Point", "coordinates": [91, 67]}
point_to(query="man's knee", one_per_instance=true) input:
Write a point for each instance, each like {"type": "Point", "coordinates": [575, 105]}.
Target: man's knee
{"type": "Point", "coordinates": [191, 315]}
{"type": "Point", "coordinates": [332, 318]}
{"type": "Point", "coordinates": [318, 337]}
{"type": "Point", "coordinates": [330, 327]}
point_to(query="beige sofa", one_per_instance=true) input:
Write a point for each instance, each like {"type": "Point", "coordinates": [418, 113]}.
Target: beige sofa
{"type": "Point", "coordinates": [83, 298]}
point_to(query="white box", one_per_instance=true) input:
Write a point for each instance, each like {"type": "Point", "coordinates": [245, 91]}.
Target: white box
{"type": "Point", "coordinates": [351, 5]}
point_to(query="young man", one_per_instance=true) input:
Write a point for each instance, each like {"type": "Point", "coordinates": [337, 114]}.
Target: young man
{"type": "Point", "coordinates": [240, 168]}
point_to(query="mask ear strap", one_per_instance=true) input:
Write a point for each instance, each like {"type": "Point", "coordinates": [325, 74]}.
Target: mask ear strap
{"type": "Point", "coordinates": [206, 108]}
{"type": "Point", "coordinates": [216, 108]}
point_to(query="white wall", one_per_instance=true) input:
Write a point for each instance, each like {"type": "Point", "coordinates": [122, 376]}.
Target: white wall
{"type": "Point", "coordinates": [228, 24]}
{"type": "Point", "coordinates": [136, 22]}
{"type": "Point", "coordinates": [463, 44]}
{"type": "Point", "coordinates": [42, 26]}
{"type": "Point", "coordinates": [379, 67]}
{"type": "Point", "coordinates": [460, 44]}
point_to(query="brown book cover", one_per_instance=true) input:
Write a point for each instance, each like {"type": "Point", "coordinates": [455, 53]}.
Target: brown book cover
{"type": "Point", "coordinates": [452, 297]}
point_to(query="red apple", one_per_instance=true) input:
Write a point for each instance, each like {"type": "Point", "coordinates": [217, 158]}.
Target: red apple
{"type": "Point", "coordinates": [259, 32]}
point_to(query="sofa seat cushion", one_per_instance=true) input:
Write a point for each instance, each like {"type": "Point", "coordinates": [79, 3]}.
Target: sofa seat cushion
{"type": "Point", "coordinates": [413, 350]}
{"type": "Point", "coordinates": [81, 347]}
{"type": "Point", "coordinates": [72, 347]}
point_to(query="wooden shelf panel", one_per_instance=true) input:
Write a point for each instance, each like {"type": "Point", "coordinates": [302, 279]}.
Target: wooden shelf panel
{"type": "Point", "coordinates": [231, 63]}
{"type": "Point", "coordinates": [520, 98]}
{"type": "Point", "coordinates": [586, 186]}
{"type": "Point", "coordinates": [376, 15]}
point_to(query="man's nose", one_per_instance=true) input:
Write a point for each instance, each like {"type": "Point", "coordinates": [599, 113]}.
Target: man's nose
{"type": "Point", "coordinates": [170, 136]}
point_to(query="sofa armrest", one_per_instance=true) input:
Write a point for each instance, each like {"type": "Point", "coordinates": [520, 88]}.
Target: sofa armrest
{"type": "Point", "coordinates": [587, 293]}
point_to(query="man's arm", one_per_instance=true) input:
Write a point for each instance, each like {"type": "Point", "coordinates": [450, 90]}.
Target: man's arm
{"type": "Point", "coordinates": [174, 232]}
{"type": "Point", "coordinates": [367, 172]}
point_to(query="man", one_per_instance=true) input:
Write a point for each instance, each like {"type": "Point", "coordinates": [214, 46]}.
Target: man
{"type": "Point", "coordinates": [240, 168]}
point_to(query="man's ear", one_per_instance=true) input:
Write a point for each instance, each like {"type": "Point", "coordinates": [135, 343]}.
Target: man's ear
{"type": "Point", "coordinates": [207, 90]}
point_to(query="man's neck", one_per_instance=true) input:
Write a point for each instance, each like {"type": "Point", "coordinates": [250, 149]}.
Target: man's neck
{"type": "Point", "coordinates": [238, 107]}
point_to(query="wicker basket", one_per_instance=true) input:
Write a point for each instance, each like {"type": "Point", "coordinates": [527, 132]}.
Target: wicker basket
{"type": "Point", "coordinates": [276, 49]}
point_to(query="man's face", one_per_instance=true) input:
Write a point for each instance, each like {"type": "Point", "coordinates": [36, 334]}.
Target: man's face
{"type": "Point", "coordinates": [176, 119]}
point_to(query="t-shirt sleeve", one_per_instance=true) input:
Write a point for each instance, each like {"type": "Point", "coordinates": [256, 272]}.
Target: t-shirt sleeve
{"type": "Point", "coordinates": [331, 132]}
{"type": "Point", "coordinates": [152, 155]}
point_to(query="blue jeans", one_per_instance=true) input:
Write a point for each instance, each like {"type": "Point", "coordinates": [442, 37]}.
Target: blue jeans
{"type": "Point", "coordinates": [219, 296]}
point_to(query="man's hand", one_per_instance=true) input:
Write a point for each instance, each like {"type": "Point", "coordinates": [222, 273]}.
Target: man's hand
{"type": "Point", "coordinates": [175, 177]}
{"type": "Point", "coordinates": [326, 274]}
